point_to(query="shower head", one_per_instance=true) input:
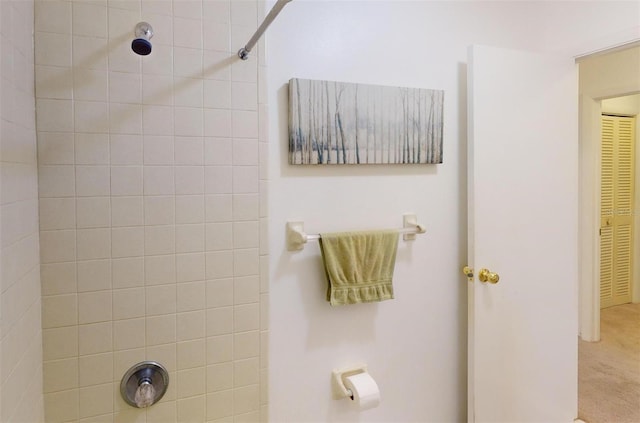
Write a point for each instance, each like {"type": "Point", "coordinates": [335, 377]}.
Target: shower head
{"type": "Point", "coordinates": [141, 44]}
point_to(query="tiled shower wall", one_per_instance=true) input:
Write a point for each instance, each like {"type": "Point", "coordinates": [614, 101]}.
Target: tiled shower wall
{"type": "Point", "coordinates": [152, 208]}
{"type": "Point", "coordinates": [20, 303]}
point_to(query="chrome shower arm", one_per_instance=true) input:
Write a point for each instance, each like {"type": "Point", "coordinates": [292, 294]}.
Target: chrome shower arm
{"type": "Point", "coordinates": [243, 53]}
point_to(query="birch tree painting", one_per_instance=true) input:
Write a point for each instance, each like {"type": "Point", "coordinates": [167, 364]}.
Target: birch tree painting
{"type": "Point", "coordinates": [342, 123]}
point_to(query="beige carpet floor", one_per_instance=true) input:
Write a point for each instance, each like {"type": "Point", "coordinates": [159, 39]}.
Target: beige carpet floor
{"type": "Point", "coordinates": [609, 370]}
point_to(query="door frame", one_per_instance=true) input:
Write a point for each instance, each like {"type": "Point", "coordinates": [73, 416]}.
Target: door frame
{"type": "Point", "coordinates": [590, 112]}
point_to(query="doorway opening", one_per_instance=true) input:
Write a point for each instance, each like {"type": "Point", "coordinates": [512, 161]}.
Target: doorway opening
{"type": "Point", "coordinates": [609, 85]}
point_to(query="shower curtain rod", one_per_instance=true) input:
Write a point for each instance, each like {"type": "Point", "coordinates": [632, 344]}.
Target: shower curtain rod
{"type": "Point", "coordinates": [243, 53]}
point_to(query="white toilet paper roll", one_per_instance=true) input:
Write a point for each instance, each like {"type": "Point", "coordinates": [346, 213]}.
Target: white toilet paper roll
{"type": "Point", "coordinates": [365, 390]}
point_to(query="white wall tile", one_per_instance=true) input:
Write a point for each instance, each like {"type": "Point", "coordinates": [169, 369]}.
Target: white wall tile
{"type": "Point", "coordinates": [158, 149]}
{"type": "Point", "coordinates": [217, 64]}
{"type": "Point", "coordinates": [245, 152]}
{"type": "Point", "coordinates": [93, 243]}
{"type": "Point", "coordinates": [52, 49]}
{"type": "Point", "coordinates": [189, 208]}
{"type": "Point", "coordinates": [127, 211]}
{"type": "Point", "coordinates": [217, 94]}
{"type": "Point", "coordinates": [126, 149]}
{"type": "Point", "coordinates": [126, 180]}
{"type": "Point", "coordinates": [91, 116]}
{"type": "Point", "coordinates": [60, 343]}
{"type": "Point", "coordinates": [53, 16]}
{"type": "Point", "coordinates": [157, 90]}
{"type": "Point", "coordinates": [56, 181]}
{"type": "Point", "coordinates": [220, 292]}
{"type": "Point", "coordinates": [246, 317]}
{"type": "Point", "coordinates": [191, 354]}
{"type": "Point", "coordinates": [55, 148]}
{"type": "Point", "coordinates": [161, 299]}
{"type": "Point", "coordinates": [246, 290]}
{"type": "Point", "coordinates": [218, 123]}
{"type": "Point", "coordinates": [92, 181]}
{"type": "Point", "coordinates": [95, 369]}
{"type": "Point", "coordinates": [93, 212]}
{"type": "Point", "coordinates": [218, 37]}
{"type": "Point", "coordinates": [128, 334]}
{"type": "Point", "coordinates": [187, 62]}
{"type": "Point", "coordinates": [125, 118]}
{"type": "Point", "coordinates": [190, 325]}
{"type": "Point", "coordinates": [90, 20]}
{"type": "Point", "coordinates": [245, 207]}
{"type": "Point", "coordinates": [190, 238]}
{"type": "Point", "coordinates": [219, 321]}
{"type": "Point", "coordinates": [159, 210]}
{"type": "Point", "coordinates": [161, 329]}
{"type": "Point", "coordinates": [219, 404]}
{"type": "Point", "coordinates": [92, 148]}
{"type": "Point", "coordinates": [191, 409]}
{"type": "Point", "coordinates": [94, 307]}
{"type": "Point", "coordinates": [190, 267]}
{"type": "Point", "coordinates": [95, 338]}
{"type": "Point", "coordinates": [245, 95]}
{"type": "Point", "coordinates": [127, 242]}
{"type": "Point", "coordinates": [159, 180]}
{"type": "Point", "coordinates": [245, 262]}
{"type": "Point", "coordinates": [187, 32]}
{"type": "Point", "coordinates": [54, 82]}
{"type": "Point", "coordinates": [219, 349]}
{"type": "Point", "coordinates": [57, 213]}
{"type": "Point", "coordinates": [188, 121]}
{"type": "Point", "coordinates": [94, 275]}
{"type": "Point", "coordinates": [127, 272]}
{"type": "Point", "coordinates": [219, 377]}
{"type": "Point", "coordinates": [125, 87]}
{"type": "Point", "coordinates": [246, 372]}
{"type": "Point", "coordinates": [218, 151]}
{"type": "Point", "coordinates": [84, 53]}
{"type": "Point", "coordinates": [58, 278]}
{"type": "Point", "coordinates": [191, 296]}
{"type": "Point", "coordinates": [95, 400]}
{"type": "Point", "coordinates": [218, 179]}
{"type": "Point", "coordinates": [245, 179]}
{"type": "Point", "coordinates": [159, 240]}
{"type": "Point", "coordinates": [188, 92]}
{"type": "Point", "coordinates": [128, 303]}
{"type": "Point", "coordinates": [59, 311]}
{"type": "Point", "coordinates": [57, 246]}
{"type": "Point", "coordinates": [159, 270]}
{"type": "Point", "coordinates": [54, 115]}
{"type": "Point", "coordinates": [189, 180]}
{"type": "Point", "coordinates": [245, 235]}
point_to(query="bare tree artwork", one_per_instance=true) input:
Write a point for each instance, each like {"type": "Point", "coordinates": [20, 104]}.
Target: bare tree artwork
{"type": "Point", "coordinates": [343, 123]}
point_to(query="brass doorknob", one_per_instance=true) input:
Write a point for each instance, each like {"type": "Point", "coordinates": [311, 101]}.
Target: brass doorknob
{"type": "Point", "coordinates": [485, 275]}
{"type": "Point", "coordinates": [468, 272]}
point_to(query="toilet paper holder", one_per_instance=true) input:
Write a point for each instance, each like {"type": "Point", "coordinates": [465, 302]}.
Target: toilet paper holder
{"type": "Point", "coordinates": [339, 389]}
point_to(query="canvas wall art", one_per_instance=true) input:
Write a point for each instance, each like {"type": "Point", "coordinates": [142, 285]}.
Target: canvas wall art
{"type": "Point", "coordinates": [344, 123]}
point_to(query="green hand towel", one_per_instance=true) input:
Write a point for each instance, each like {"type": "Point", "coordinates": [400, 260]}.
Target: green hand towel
{"type": "Point", "coordinates": [359, 265]}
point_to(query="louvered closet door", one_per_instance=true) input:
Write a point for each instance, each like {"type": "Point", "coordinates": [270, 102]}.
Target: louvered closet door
{"type": "Point", "coordinates": [616, 210]}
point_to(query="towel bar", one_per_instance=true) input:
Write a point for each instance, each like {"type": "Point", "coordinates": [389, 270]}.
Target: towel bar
{"type": "Point", "coordinates": [297, 237]}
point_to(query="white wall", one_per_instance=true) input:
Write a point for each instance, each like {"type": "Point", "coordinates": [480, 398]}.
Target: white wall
{"type": "Point", "coordinates": [630, 105]}
{"type": "Point", "coordinates": [20, 329]}
{"type": "Point", "coordinates": [415, 345]}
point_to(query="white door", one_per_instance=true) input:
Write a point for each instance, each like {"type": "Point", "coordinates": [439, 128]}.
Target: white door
{"type": "Point", "coordinates": [523, 212]}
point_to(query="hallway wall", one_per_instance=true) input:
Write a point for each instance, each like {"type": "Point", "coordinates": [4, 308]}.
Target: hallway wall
{"type": "Point", "coordinates": [20, 332]}
{"type": "Point", "coordinates": [151, 208]}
